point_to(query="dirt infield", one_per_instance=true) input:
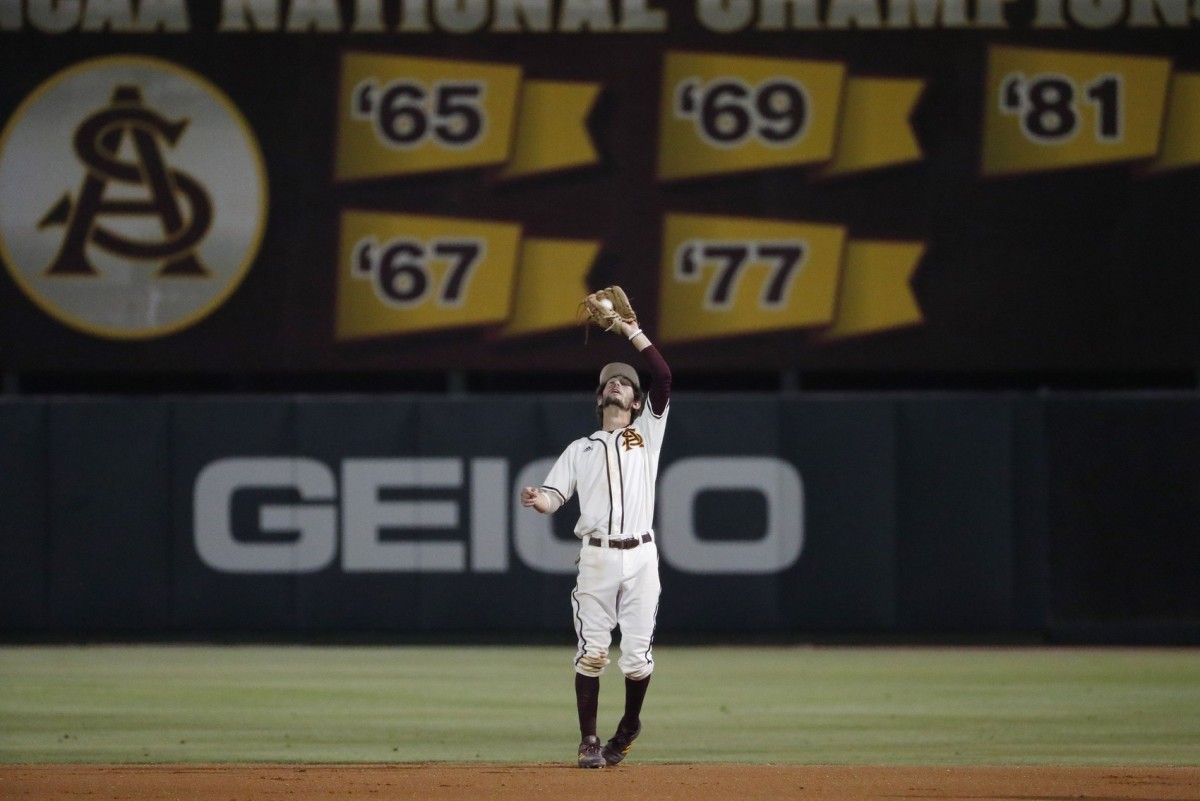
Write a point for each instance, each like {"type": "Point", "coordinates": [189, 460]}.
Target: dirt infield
{"type": "Point", "coordinates": [439, 782]}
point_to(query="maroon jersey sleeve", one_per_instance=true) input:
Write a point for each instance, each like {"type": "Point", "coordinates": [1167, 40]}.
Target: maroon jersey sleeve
{"type": "Point", "coordinates": [660, 384]}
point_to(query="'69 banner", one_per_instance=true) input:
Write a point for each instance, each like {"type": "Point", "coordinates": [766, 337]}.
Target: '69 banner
{"type": "Point", "coordinates": [391, 185]}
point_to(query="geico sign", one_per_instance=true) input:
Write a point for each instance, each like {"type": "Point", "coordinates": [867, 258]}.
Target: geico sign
{"type": "Point", "coordinates": [320, 505]}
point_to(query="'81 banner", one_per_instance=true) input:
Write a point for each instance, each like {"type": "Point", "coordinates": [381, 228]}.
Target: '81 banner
{"type": "Point", "coordinates": [1054, 109]}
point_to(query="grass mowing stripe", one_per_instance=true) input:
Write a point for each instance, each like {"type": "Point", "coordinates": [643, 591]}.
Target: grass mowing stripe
{"type": "Point", "coordinates": [803, 705]}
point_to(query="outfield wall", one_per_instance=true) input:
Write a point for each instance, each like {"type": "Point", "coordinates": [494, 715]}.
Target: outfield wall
{"type": "Point", "coordinates": [1063, 516]}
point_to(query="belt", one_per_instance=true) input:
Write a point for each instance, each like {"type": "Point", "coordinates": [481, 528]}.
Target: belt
{"type": "Point", "coordinates": [622, 544]}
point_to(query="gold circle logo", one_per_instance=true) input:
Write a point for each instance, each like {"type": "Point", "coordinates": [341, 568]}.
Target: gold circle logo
{"type": "Point", "coordinates": [133, 197]}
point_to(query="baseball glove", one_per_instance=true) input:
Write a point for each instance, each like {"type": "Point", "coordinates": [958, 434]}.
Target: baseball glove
{"type": "Point", "coordinates": [609, 306]}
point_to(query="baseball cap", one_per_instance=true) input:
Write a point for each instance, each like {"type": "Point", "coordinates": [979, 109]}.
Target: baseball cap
{"type": "Point", "coordinates": [619, 369]}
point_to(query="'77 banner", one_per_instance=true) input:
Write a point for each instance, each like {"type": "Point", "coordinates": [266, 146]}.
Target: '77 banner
{"type": "Point", "coordinates": [731, 276]}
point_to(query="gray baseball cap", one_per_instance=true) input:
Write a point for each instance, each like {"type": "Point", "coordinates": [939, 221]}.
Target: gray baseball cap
{"type": "Point", "coordinates": [619, 368]}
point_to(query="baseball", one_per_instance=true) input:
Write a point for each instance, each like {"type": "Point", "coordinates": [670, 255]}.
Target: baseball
{"type": "Point", "coordinates": [606, 303]}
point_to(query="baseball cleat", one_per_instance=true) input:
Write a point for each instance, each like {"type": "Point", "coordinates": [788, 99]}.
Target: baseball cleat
{"type": "Point", "coordinates": [590, 755]}
{"type": "Point", "coordinates": [618, 747]}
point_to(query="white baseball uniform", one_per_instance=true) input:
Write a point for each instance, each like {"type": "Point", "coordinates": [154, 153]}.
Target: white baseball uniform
{"type": "Point", "coordinates": [614, 473]}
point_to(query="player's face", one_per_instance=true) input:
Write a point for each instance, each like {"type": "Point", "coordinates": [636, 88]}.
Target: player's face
{"type": "Point", "coordinates": [618, 392]}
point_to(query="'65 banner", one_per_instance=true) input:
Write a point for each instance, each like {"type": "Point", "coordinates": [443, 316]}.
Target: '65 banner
{"type": "Point", "coordinates": [388, 185]}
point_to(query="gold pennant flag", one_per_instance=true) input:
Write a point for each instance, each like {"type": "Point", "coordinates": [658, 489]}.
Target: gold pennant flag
{"type": "Point", "coordinates": [552, 271]}
{"type": "Point", "coordinates": [1181, 134]}
{"type": "Point", "coordinates": [723, 114]}
{"type": "Point", "coordinates": [876, 290]}
{"type": "Point", "coordinates": [401, 115]}
{"type": "Point", "coordinates": [874, 130]}
{"type": "Point", "coordinates": [1054, 109]}
{"type": "Point", "coordinates": [407, 273]}
{"type": "Point", "coordinates": [730, 276]}
{"type": "Point", "coordinates": [552, 130]}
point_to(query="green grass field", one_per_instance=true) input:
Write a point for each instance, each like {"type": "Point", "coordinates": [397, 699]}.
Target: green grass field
{"type": "Point", "coordinates": [800, 705]}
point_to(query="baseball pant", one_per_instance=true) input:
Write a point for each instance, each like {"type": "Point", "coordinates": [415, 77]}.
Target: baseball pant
{"type": "Point", "coordinates": [616, 588]}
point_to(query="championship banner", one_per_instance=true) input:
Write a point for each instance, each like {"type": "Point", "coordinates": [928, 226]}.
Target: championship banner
{"type": "Point", "coordinates": [724, 114]}
{"type": "Point", "coordinates": [730, 276]}
{"type": "Point", "coordinates": [399, 115]}
{"type": "Point", "coordinates": [1051, 110]}
{"type": "Point", "coordinates": [464, 171]}
{"type": "Point", "coordinates": [401, 274]}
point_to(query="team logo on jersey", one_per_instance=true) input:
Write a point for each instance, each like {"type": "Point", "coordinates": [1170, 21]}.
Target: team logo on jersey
{"type": "Point", "coordinates": [132, 197]}
{"type": "Point", "coordinates": [631, 439]}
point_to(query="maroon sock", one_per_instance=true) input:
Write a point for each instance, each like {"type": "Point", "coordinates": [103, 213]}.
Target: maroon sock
{"type": "Point", "coordinates": [635, 694]}
{"type": "Point", "coordinates": [587, 701]}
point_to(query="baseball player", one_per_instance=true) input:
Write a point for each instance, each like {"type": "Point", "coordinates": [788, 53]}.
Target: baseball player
{"type": "Point", "coordinates": [614, 472]}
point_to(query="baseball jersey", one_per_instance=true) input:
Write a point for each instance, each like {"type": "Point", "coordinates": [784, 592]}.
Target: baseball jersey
{"type": "Point", "coordinates": [614, 473]}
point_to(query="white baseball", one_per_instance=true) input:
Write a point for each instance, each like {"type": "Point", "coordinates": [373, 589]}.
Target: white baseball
{"type": "Point", "coordinates": [606, 303]}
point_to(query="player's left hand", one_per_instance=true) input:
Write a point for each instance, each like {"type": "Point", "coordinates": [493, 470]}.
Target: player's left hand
{"type": "Point", "coordinates": [610, 309]}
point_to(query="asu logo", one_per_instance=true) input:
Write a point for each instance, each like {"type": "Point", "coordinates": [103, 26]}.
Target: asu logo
{"type": "Point", "coordinates": [133, 197]}
{"type": "Point", "coordinates": [631, 439]}
{"type": "Point", "coordinates": [97, 141]}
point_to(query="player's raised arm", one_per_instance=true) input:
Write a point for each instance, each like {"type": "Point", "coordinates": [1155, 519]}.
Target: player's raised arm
{"type": "Point", "coordinates": [611, 309]}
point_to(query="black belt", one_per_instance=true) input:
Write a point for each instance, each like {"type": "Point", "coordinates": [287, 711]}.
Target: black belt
{"type": "Point", "coordinates": [623, 544]}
